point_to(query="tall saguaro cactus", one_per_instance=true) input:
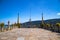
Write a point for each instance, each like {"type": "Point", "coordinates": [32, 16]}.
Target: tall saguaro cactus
{"type": "Point", "coordinates": [9, 25]}
{"type": "Point", "coordinates": [18, 24]}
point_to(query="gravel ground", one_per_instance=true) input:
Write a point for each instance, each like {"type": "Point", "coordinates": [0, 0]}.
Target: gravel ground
{"type": "Point", "coordinates": [29, 34]}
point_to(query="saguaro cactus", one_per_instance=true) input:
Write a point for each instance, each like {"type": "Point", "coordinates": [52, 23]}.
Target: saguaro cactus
{"type": "Point", "coordinates": [8, 25]}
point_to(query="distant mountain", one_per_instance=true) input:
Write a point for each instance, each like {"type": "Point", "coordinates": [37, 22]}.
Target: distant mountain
{"type": "Point", "coordinates": [50, 21]}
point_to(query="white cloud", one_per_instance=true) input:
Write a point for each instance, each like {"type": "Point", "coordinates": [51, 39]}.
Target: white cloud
{"type": "Point", "coordinates": [58, 13]}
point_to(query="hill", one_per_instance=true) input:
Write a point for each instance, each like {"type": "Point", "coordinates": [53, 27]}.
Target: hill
{"type": "Point", "coordinates": [50, 21]}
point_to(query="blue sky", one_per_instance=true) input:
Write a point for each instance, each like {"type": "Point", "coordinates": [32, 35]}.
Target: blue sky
{"type": "Point", "coordinates": [9, 10]}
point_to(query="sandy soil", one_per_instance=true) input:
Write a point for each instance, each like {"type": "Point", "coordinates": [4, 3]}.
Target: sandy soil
{"type": "Point", "coordinates": [29, 34]}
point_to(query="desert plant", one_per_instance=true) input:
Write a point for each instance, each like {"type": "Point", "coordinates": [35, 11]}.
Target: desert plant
{"type": "Point", "coordinates": [18, 24]}
{"type": "Point", "coordinates": [47, 26]}
{"type": "Point", "coordinates": [58, 26]}
{"type": "Point", "coordinates": [2, 25]}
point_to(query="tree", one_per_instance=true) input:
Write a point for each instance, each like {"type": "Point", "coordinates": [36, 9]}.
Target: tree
{"type": "Point", "coordinates": [51, 26]}
{"type": "Point", "coordinates": [58, 26]}
{"type": "Point", "coordinates": [2, 25]}
{"type": "Point", "coordinates": [18, 24]}
{"type": "Point", "coordinates": [15, 25]}
{"type": "Point", "coordinates": [48, 26]}
{"type": "Point", "coordinates": [42, 25]}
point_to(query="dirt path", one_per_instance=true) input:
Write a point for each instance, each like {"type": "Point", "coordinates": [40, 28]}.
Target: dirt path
{"type": "Point", "coordinates": [29, 34]}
